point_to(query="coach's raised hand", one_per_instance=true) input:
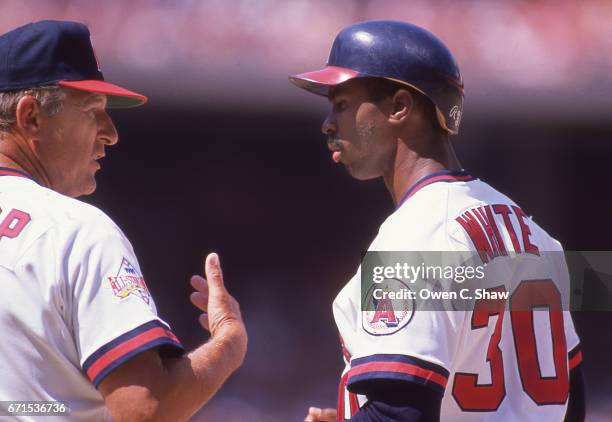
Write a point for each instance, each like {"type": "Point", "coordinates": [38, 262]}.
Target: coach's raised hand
{"type": "Point", "coordinates": [174, 388]}
{"type": "Point", "coordinates": [221, 312]}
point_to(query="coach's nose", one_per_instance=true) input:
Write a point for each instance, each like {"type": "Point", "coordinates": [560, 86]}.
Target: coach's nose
{"type": "Point", "coordinates": [107, 131]}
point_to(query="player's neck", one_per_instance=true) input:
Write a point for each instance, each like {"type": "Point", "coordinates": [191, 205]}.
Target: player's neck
{"type": "Point", "coordinates": [410, 166]}
{"type": "Point", "coordinates": [15, 153]}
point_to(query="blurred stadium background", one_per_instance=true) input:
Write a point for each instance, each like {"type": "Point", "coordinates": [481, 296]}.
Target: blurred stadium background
{"type": "Point", "coordinates": [227, 156]}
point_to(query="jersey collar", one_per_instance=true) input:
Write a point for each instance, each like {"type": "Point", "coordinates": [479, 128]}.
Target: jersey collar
{"type": "Point", "coordinates": [439, 176]}
{"type": "Point", "coordinates": [6, 171]}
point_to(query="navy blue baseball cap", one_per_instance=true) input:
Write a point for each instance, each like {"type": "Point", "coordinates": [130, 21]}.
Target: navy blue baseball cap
{"type": "Point", "coordinates": [398, 51]}
{"type": "Point", "coordinates": [57, 52]}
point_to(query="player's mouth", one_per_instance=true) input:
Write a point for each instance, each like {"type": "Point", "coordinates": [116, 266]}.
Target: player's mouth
{"type": "Point", "coordinates": [335, 149]}
{"type": "Point", "coordinates": [336, 156]}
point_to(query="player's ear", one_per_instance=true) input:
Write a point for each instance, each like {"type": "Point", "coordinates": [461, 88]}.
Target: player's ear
{"type": "Point", "coordinates": [28, 116]}
{"type": "Point", "coordinates": [402, 106]}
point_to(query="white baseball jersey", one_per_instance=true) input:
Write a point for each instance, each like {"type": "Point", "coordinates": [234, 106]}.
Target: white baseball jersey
{"type": "Point", "coordinates": [491, 363]}
{"type": "Point", "coordinates": [74, 303]}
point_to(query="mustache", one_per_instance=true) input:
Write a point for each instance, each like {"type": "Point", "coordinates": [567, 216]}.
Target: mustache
{"type": "Point", "coordinates": [332, 142]}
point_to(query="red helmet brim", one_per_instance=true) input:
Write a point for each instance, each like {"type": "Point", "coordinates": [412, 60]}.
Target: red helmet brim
{"type": "Point", "coordinates": [319, 81]}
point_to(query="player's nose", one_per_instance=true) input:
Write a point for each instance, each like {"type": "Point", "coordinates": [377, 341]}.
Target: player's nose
{"type": "Point", "coordinates": [329, 125]}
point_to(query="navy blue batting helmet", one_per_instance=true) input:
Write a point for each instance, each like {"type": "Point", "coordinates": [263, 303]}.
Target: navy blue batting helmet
{"type": "Point", "coordinates": [397, 51]}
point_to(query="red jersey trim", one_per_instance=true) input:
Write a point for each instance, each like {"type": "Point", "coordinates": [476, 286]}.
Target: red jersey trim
{"type": "Point", "coordinates": [402, 368]}
{"type": "Point", "coordinates": [147, 336]}
{"type": "Point", "coordinates": [575, 360]}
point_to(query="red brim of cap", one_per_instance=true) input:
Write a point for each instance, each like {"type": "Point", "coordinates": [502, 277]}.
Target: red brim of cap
{"type": "Point", "coordinates": [117, 97]}
{"type": "Point", "coordinates": [319, 81]}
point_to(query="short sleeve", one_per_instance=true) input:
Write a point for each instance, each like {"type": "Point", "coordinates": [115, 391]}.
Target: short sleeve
{"type": "Point", "coordinates": [420, 352]}
{"type": "Point", "coordinates": [395, 345]}
{"type": "Point", "coordinates": [113, 314]}
{"type": "Point", "coordinates": [397, 340]}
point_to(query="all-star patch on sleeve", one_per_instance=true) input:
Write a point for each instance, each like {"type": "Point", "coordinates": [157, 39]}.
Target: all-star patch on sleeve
{"type": "Point", "coordinates": [128, 282]}
{"type": "Point", "coordinates": [113, 314]}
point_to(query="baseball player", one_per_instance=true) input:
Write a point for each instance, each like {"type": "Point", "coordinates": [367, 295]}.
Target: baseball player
{"type": "Point", "coordinates": [78, 322]}
{"type": "Point", "coordinates": [396, 96]}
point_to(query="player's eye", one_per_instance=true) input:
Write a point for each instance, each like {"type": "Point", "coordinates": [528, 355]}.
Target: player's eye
{"type": "Point", "coordinates": [340, 105]}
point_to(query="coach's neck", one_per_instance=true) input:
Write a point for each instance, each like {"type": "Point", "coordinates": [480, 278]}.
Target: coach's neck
{"type": "Point", "coordinates": [16, 152]}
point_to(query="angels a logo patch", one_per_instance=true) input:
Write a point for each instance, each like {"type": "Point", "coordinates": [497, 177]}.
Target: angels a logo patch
{"type": "Point", "coordinates": [388, 308]}
{"type": "Point", "coordinates": [128, 282]}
